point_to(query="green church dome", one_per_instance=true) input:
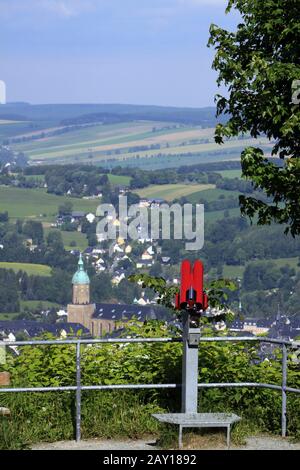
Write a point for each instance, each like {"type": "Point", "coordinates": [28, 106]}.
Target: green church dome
{"type": "Point", "coordinates": [80, 277]}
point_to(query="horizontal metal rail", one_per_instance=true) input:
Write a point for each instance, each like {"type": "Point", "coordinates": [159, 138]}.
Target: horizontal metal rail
{"type": "Point", "coordinates": [145, 386]}
{"type": "Point", "coordinates": [78, 388]}
{"type": "Point", "coordinates": [204, 339]}
{"type": "Point", "coordinates": [90, 341]}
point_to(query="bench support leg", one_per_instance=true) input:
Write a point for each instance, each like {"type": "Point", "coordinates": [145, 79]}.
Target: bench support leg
{"type": "Point", "coordinates": [228, 437]}
{"type": "Point", "coordinates": [180, 437]}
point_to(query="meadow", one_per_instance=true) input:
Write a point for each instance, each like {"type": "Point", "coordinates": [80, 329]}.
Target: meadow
{"type": "Point", "coordinates": [38, 204]}
{"type": "Point", "coordinates": [212, 194]}
{"type": "Point", "coordinates": [119, 180]}
{"type": "Point", "coordinates": [235, 272]}
{"type": "Point", "coordinates": [169, 192]}
{"type": "Point", "coordinates": [230, 173]}
{"type": "Point", "coordinates": [30, 268]}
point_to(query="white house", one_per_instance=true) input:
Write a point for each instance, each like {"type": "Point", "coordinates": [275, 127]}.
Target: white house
{"type": "Point", "coordinates": [90, 217]}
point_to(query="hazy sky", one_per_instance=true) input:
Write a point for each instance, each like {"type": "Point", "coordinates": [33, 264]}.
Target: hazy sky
{"type": "Point", "coordinates": [109, 51]}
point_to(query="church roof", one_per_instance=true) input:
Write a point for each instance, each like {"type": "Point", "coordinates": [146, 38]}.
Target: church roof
{"type": "Point", "coordinates": [122, 311]}
{"type": "Point", "coordinates": [81, 276]}
{"type": "Point", "coordinates": [35, 328]}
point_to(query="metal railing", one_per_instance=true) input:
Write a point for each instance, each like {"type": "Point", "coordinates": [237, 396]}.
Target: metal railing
{"type": "Point", "coordinates": [79, 388]}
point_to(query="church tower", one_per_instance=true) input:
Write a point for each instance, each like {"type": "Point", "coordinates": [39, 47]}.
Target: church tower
{"type": "Point", "coordinates": [81, 310]}
{"type": "Point", "coordinates": [81, 285]}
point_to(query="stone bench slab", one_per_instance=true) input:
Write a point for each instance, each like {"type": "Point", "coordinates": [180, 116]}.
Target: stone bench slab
{"type": "Point", "coordinates": [199, 420]}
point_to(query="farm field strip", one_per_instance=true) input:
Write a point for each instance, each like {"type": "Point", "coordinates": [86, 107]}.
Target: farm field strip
{"type": "Point", "coordinates": [170, 192]}
{"type": "Point", "coordinates": [230, 173]}
{"type": "Point", "coordinates": [181, 149]}
{"type": "Point", "coordinates": [91, 134]}
{"type": "Point", "coordinates": [148, 161]}
{"type": "Point", "coordinates": [80, 137]}
{"type": "Point", "coordinates": [147, 137]}
{"type": "Point", "coordinates": [7, 121]}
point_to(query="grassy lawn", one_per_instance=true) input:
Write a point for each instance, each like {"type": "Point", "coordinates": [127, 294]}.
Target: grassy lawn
{"type": "Point", "coordinates": [37, 203]}
{"type": "Point", "coordinates": [8, 316]}
{"type": "Point", "coordinates": [169, 192]}
{"type": "Point", "coordinates": [30, 269]}
{"type": "Point", "coordinates": [69, 237]}
{"type": "Point", "coordinates": [230, 173]}
{"type": "Point", "coordinates": [119, 180]}
{"type": "Point", "coordinates": [213, 216]}
{"type": "Point", "coordinates": [212, 195]}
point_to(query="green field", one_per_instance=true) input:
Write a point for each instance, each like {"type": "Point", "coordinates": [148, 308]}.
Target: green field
{"type": "Point", "coordinates": [30, 269]}
{"type": "Point", "coordinates": [38, 204]}
{"type": "Point", "coordinates": [230, 173]}
{"type": "Point", "coordinates": [119, 180]}
{"type": "Point", "coordinates": [96, 138]}
{"type": "Point", "coordinates": [99, 153]}
{"type": "Point", "coordinates": [69, 237]}
{"type": "Point", "coordinates": [212, 195]}
{"type": "Point", "coordinates": [169, 192]}
{"type": "Point", "coordinates": [213, 216]}
{"type": "Point", "coordinates": [119, 142]}
{"type": "Point", "coordinates": [238, 271]}
{"type": "Point", "coordinates": [8, 316]}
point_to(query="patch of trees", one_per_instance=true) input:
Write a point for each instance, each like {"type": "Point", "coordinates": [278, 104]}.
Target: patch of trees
{"type": "Point", "coordinates": [235, 184]}
{"type": "Point", "coordinates": [9, 300]}
{"type": "Point", "coordinates": [78, 182]}
{"type": "Point", "coordinates": [56, 288]}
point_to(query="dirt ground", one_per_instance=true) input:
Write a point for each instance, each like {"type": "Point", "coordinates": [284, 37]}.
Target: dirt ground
{"type": "Point", "coordinates": [193, 443]}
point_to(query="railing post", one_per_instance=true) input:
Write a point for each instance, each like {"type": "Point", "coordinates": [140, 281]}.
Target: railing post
{"type": "Point", "coordinates": [283, 390]}
{"type": "Point", "coordinates": [189, 400]}
{"type": "Point", "coordinates": [78, 393]}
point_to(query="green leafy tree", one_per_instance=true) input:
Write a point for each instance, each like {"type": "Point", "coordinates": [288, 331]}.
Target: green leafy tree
{"type": "Point", "coordinates": [55, 240]}
{"type": "Point", "coordinates": [65, 208]}
{"type": "Point", "coordinates": [34, 230]}
{"type": "Point", "coordinates": [259, 63]}
{"type": "Point", "coordinates": [217, 292]}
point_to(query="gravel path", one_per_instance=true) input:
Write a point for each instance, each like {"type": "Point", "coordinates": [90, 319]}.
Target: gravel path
{"type": "Point", "coordinates": [253, 443]}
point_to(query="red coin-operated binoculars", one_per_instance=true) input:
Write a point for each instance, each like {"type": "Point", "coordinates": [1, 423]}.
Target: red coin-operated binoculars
{"type": "Point", "coordinates": [192, 301]}
{"type": "Point", "coordinates": [192, 298]}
